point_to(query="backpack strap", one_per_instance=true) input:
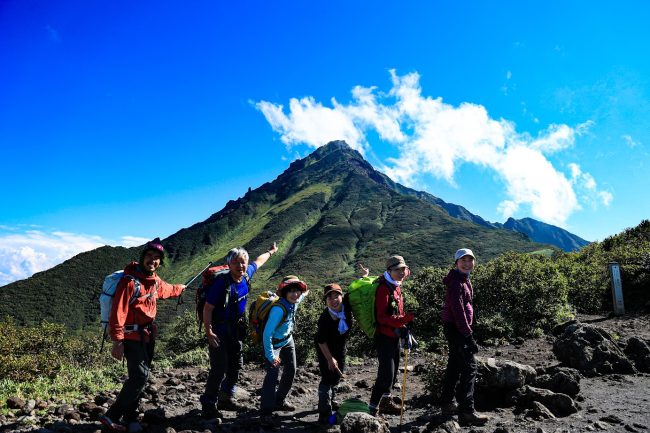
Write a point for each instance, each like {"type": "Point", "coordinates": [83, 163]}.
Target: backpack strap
{"type": "Point", "coordinates": [285, 315]}
{"type": "Point", "coordinates": [232, 287]}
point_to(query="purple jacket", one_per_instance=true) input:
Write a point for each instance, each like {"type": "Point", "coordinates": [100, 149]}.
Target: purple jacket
{"type": "Point", "coordinates": [457, 308]}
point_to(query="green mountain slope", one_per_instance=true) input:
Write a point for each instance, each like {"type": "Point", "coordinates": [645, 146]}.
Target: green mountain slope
{"type": "Point", "coordinates": [327, 212]}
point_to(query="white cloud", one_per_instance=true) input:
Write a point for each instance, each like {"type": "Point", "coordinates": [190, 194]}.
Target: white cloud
{"type": "Point", "coordinates": [435, 138]}
{"type": "Point", "coordinates": [133, 241]}
{"type": "Point", "coordinates": [24, 252]}
{"type": "Point", "coordinates": [311, 123]}
{"type": "Point", "coordinates": [630, 141]}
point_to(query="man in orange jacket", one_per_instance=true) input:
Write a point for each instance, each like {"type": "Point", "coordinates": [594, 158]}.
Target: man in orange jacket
{"type": "Point", "coordinates": [133, 332]}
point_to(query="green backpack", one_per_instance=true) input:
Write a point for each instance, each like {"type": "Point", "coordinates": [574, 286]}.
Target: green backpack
{"type": "Point", "coordinates": [361, 294]}
{"type": "Point", "coordinates": [351, 405]}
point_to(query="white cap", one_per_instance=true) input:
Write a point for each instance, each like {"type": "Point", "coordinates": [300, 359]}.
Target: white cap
{"type": "Point", "coordinates": [462, 253]}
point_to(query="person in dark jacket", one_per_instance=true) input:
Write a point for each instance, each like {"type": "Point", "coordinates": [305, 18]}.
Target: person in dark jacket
{"type": "Point", "coordinates": [457, 319]}
{"type": "Point", "coordinates": [332, 332]}
{"type": "Point", "coordinates": [132, 329]}
{"type": "Point", "coordinates": [391, 325]}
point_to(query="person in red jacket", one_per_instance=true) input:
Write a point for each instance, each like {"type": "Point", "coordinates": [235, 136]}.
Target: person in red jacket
{"type": "Point", "coordinates": [391, 325]}
{"type": "Point", "coordinates": [457, 319]}
{"type": "Point", "coordinates": [132, 329]}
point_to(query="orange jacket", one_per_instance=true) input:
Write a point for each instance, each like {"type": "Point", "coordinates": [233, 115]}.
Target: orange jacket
{"type": "Point", "coordinates": [143, 310]}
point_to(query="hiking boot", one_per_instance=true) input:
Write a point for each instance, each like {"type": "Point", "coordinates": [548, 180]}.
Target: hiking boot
{"type": "Point", "coordinates": [449, 409]}
{"type": "Point", "coordinates": [390, 406]}
{"type": "Point", "coordinates": [284, 406]}
{"type": "Point", "coordinates": [134, 427]}
{"type": "Point", "coordinates": [112, 426]}
{"type": "Point", "coordinates": [472, 418]}
{"type": "Point", "coordinates": [267, 423]}
{"type": "Point", "coordinates": [231, 403]}
{"type": "Point", "coordinates": [210, 412]}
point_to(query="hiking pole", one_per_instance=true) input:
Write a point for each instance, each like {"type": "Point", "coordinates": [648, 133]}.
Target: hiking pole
{"type": "Point", "coordinates": [406, 364]}
{"type": "Point", "coordinates": [410, 342]}
{"type": "Point", "coordinates": [190, 281]}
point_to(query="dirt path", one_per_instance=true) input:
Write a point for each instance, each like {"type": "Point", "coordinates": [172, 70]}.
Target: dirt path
{"type": "Point", "coordinates": [615, 403]}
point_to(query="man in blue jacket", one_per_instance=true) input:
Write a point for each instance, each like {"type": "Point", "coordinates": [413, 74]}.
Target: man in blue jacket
{"type": "Point", "coordinates": [225, 327]}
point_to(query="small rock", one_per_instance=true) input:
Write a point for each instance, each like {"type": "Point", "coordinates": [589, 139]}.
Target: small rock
{"type": "Point", "coordinates": [358, 422]}
{"type": "Point", "coordinates": [641, 426]}
{"type": "Point", "coordinates": [101, 399]}
{"type": "Point", "coordinates": [173, 381]}
{"type": "Point", "coordinates": [630, 428]}
{"type": "Point", "coordinates": [70, 416]}
{"type": "Point", "coordinates": [612, 419]}
{"type": "Point", "coordinates": [364, 383]}
{"type": "Point", "coordinates": [344, 387]}
{"type": "Point", "coordinates": [64, 409]}
{"type": "Point", "coordinates": [601, 425]}
{"type": "Point", "coordinates": [15, 403]}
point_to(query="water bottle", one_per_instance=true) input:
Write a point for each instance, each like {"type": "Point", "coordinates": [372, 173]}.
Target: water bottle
{"type": "Point", "coordinates": [332, 418]}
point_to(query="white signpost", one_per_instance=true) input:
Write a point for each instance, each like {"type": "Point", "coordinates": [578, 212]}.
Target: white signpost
{"type": "Point", "coordinates": [617, 288]}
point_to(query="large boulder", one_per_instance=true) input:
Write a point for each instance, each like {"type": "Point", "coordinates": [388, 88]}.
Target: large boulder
{"type": "Point", "coordinates": [359, 422]}
{"type": "Point", "coordinates": [591, 350]}
{"type": "Point", "coordinates": [564, 380]}
{"type": "Point", "coordinates": [496, 379]}
{"type": "Point", "coordinates": [638, 351]}
{"type": "Point", "coordinates": [503, 374]}
{"type": "Point", "coordinates": [559, 404]}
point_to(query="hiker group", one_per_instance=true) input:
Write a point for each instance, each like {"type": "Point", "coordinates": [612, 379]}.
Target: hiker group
{"type": "Point", "coordinates": [375, 304]}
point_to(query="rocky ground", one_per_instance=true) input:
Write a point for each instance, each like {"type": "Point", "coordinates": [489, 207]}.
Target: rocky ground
{"type": "Point", "coordinates": [593, 375]}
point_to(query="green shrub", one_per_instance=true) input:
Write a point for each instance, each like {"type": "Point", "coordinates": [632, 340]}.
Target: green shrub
{"type": "Point", "coordinates": [519, 295]}
{"type": "Point", "coordinates": [28, 353]}
{"type": "Point", "coordinates": [434, 374]}
{"type": "Point", "coordinates": [424, 295]}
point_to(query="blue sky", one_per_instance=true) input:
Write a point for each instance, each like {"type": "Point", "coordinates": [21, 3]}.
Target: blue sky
{"type": "Point", "coordinates": [121, 121]}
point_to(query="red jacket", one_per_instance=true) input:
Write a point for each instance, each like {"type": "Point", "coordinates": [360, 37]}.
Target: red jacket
{"type": "Point", "coordinates": [143, 310]}
{"type": "Point", "coordinates": [389, 317]}
{"type": "Point", "coordinates": [457, 308]}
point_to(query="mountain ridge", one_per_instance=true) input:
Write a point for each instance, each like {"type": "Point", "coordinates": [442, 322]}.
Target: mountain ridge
{"type": "Point", "coordinates": [328, 211]}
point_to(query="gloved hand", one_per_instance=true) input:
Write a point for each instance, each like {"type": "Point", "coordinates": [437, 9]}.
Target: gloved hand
{"type": "Point", "coordinates": [408, 341]}
{"type": "Point", "coordinates": [470, 343]}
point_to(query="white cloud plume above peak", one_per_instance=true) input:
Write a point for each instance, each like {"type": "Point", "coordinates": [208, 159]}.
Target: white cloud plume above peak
{"type": "Point", "coordinates": [434, 138]}
{"type": "Point", "coordinates": [23, 252]}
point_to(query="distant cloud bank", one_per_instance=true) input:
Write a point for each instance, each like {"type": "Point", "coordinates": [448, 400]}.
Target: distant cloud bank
{"type": "Point", "coordinates": [27, 250]}
{"type": "Point", "coordinates": [435, 138]}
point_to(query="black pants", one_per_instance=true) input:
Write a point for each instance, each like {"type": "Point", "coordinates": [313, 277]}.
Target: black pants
{"type": "Point", "coordinates": [388, 357]}
{"type": "Point", "coordinates": [138, 362]}
{"type": "Point", "coordinates": [225, 361]}
{"type": "Point", "coordinates": [328, 382]}
{"type": "Point", "coordinates": [461, 370]}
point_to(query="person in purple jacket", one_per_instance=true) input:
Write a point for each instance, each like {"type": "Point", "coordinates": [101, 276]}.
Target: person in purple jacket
{"type": "Point", "coordinates": [457, 319]}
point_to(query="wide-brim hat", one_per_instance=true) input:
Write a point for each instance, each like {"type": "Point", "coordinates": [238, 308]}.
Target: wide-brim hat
{"type": "Point", "coordinates": [290, 280]}
{"type": "Point", "coordinates": [332, 288]}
